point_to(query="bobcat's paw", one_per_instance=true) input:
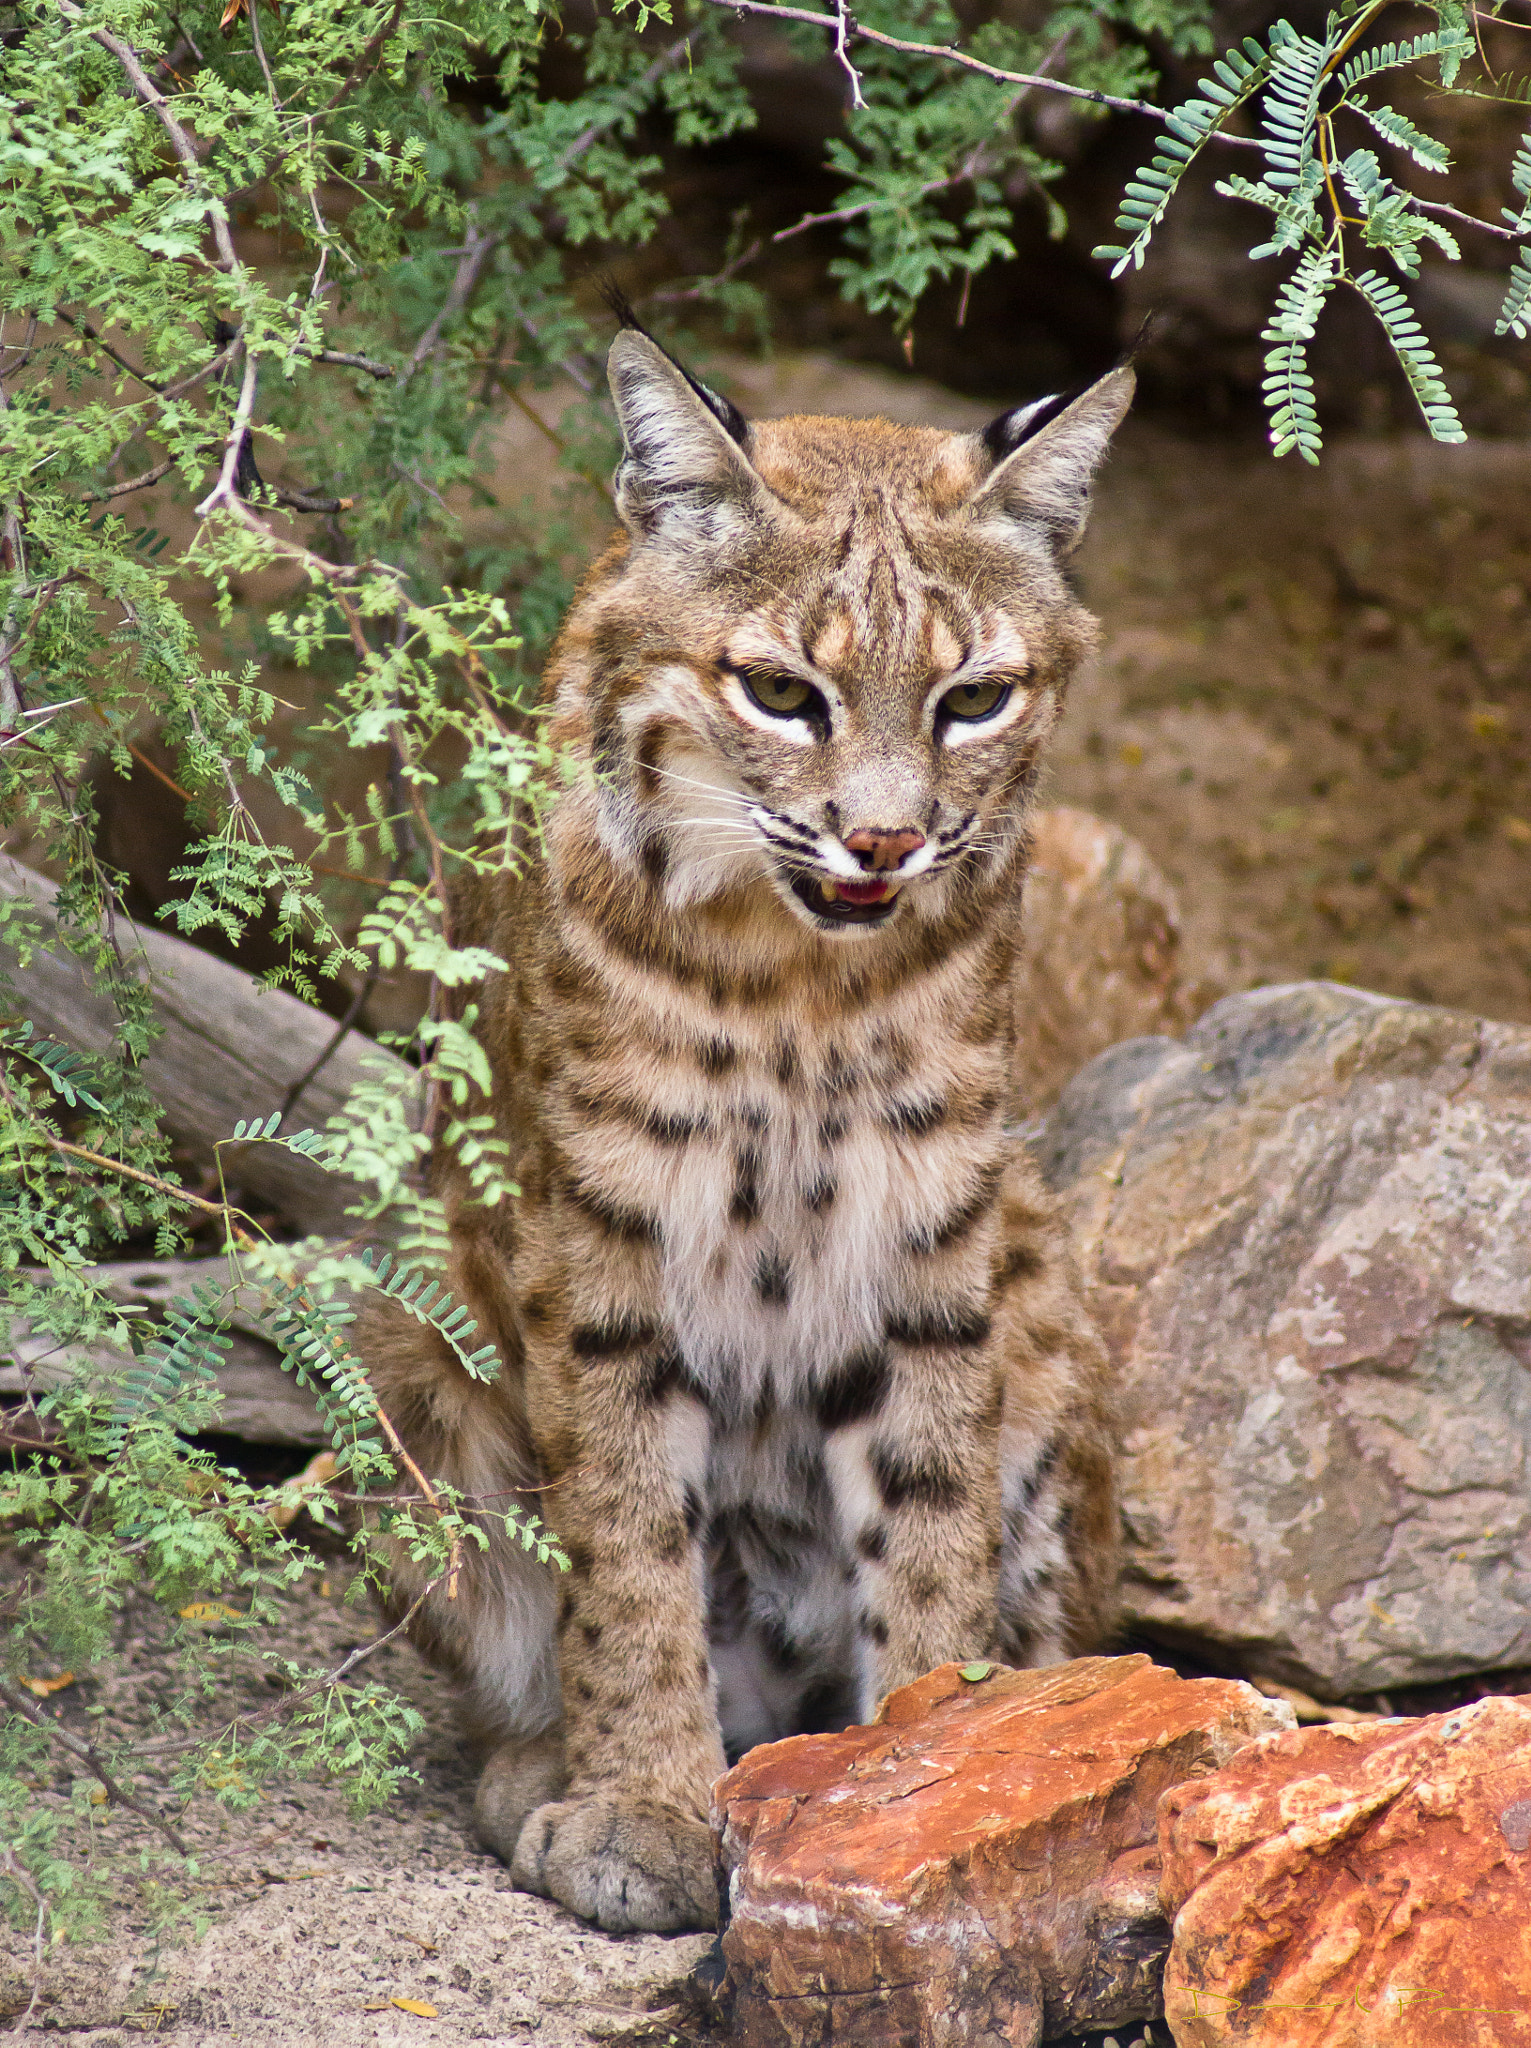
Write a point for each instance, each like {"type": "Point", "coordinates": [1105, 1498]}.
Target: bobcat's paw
{"type": "Point", "coordinates": [626, 1864]}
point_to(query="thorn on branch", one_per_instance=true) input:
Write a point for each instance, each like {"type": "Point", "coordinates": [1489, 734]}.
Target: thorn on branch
{"type": "Point", "coordinates": [845, 25]}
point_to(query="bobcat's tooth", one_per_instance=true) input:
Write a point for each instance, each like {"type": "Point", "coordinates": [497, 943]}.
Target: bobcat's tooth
{"type": "Point", "coordinates": [829, 892]}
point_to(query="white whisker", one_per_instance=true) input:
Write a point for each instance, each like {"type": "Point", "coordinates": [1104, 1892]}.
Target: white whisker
{"type": "Point", "coordinates": [712, 788]}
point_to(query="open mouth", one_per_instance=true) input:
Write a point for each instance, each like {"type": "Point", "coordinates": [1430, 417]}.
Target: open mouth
{"type": "Point", "coordinates": [846, 902]}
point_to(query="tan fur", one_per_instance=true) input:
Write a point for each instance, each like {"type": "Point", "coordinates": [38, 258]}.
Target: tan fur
{"type": "Point", "coordinates": [793, 1356]}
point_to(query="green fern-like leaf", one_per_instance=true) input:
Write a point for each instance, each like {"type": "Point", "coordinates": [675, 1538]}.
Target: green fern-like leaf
{"type": "Point", "coordinates": [1450, 46]}
{"type": "Point", "coordinates": [1515, 313]}
{"type": "Point", "coordinates": [184, 1359]}
{"type": "Point", "coordinates": [1290, 109]}
{"type": "Point", "coordinates": [1457, 39]}
{"type": "Point", "coordinates": [1427, 151]}
{"type": "Point", "coordinates": [1238, 74]}
{"type": "Point", "coordinates": [415, 1291]}
{"type": "Point", "coordinates": [310, 1336]}
{"type": "Point", "coordinates": [1520, 178]}
{"type": "Point", "coordinates": [1414, 353]}
{"type": "Point", "coordinates": [1288, 383]}
{"type": "Point", "coordinates": [1293, 211]}
{"type": "Point", "coordinates": [65, 1070]}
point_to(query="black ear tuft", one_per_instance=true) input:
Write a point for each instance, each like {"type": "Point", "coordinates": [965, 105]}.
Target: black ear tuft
{"type": "Point", "coordinates": [1004, 435]}
{"type": "Point", "coordinates": [727, 415]}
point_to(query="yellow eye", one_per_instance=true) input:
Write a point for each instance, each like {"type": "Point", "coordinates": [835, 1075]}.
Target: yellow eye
{"type": "Point", "coordinates": [975, 700]}
{"type": "Point", "coordinates": [782, 695]}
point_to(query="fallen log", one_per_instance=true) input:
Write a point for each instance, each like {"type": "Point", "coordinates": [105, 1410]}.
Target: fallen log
{"type": "Point", "coordinates": [230, 1049]}
{"type": "Point", "coordinates": [261, 1403]}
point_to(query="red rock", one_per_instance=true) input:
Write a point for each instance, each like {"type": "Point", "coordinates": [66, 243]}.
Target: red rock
{"type": "Point", "coordinates": [1357, 1887]}
{"type": "Point", "coordinates": [979, 1866]}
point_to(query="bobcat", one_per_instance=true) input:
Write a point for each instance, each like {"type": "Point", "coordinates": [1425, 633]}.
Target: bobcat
{"type": "Point", "coordinates": [794, 1359]}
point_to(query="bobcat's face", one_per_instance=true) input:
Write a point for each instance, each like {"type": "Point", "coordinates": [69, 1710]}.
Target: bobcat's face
{"type": "Point", "coordinates": [828, 659]}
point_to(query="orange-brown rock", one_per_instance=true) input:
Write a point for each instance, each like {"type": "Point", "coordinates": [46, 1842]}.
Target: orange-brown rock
{"type": "Point", "coordinates": [978, 1867]}
{"type": "Point", "coordinates": [1357, 1887]}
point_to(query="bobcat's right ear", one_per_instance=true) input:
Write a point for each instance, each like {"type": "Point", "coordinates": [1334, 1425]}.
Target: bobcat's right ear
{"type": "Point", "coordinates": [685, 468]}
{"type": "Point", "coordinates": [1044, 456]}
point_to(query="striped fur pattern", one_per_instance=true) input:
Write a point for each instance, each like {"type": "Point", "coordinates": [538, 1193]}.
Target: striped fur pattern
{"type": "Point", "coordinates": [794, 1360]}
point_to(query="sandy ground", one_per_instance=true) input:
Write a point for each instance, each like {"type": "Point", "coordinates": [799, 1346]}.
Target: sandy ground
{"type": "Point", "coordinates": [305, 1924]}
{"type": "Point", "coordinates": [315, 1921]}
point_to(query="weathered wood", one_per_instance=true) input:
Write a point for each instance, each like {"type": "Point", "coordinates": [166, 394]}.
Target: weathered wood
{"type": "Point", "coordinates": [261, 1403]}
{"type": "Point", "coordinates": [230, 1049]}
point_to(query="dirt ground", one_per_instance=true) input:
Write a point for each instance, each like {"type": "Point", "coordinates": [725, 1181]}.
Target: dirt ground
{"type": "Point", "coordinates": [317, 1920]}
{"type": "Point", "coordinates": [1313, 706]}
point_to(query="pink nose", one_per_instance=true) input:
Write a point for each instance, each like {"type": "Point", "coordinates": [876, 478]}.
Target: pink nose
{"type": "Point", "coordinates": [886, 849]}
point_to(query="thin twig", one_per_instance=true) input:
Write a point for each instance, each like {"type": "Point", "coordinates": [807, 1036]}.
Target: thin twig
{"type": "Point", "coordinates": [252, 8]}
{"type": "Point", "coordinates": [134, 483]}
{"type": "Point", "coordinates": [210, 368]}
{"type": "Point", "coordinates": [350, 362]}
{"type": "Point", "coordinates": [159, 106]}
{"type": "Point", "coordinates": [223, 492]}
{"type": "Point", "coordinates": [569, 366]}
{"type": "Point", "coordinates": [557, 441]}
{"type": "Point", "coordinates": [947, 53]}
{"type": "Point", "coordinates": [843, 55]}
{"type": "Point", "coordinates": [85, 1754]}
{"type": "Point", "coordinates": [23, 348]}
{"type": "Point", "coordinates": [308, 501]}
{"type": "Point", "coordinates": [368, 51]}
{"type": "Point", "coordinates": [19, 1875]}
{"type": "Point", "coordinates": [1467, 220]}
{"type": "Point", "coordinates": [666, 59]}
{"type": "Point", "coordinates": [683, 295]}
{"type": "Point", "coordinates": [477, 250]}
{"type": "Point", "coordinates": [93, 334]}
{"type": "Point", "coordinates": [152, 1180]}
{"type": "Point", "coordinates": [332, 1045]}
{"type": "Point", "coordinates": [176, 1745]}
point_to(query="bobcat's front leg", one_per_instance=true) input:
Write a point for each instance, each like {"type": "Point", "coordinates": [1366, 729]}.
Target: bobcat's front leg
{"type": "Point", "coordinates": [627, 1844]}
{"type": "Point", "coordinates": [917, 1488]}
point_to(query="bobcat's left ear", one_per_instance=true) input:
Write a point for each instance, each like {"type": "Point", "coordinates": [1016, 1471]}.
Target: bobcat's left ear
{"type": "Point", "coordinates": [1046, 454]}
{"type": "Point", "coordinates": [684, 472]}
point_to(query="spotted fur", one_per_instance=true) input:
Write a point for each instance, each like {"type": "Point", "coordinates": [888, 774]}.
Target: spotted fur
{"type": "Point", "coordinates": [794, 1360]}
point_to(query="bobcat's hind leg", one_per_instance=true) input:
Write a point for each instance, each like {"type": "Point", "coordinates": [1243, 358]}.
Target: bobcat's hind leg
{"type": "Point", "coordinates": [497, 1638]}
{"type": "Point", "coordinates": [1058, 1488]}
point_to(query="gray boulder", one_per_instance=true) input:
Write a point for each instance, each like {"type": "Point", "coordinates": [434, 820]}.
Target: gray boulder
{"type": "Point", "coordinates": [1308, 1231]}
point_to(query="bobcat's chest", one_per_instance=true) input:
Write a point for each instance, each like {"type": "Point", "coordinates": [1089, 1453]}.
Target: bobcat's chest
{"type": "Point", "coordinates": [797, 1190]}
